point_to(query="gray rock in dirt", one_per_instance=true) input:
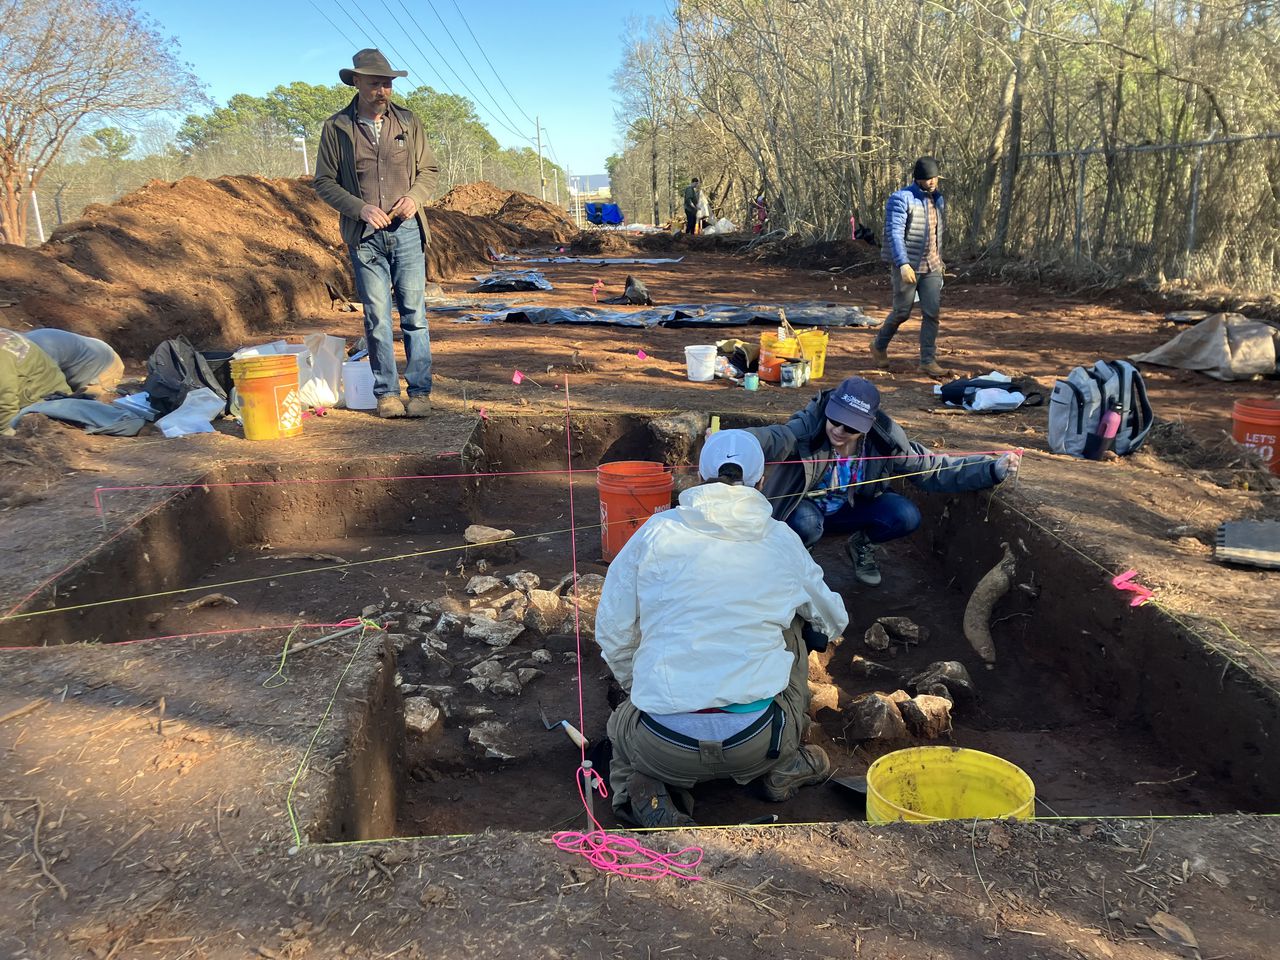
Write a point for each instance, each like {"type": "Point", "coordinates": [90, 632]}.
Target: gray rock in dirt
{"type": "Point", "coordinates": [448, 626]}
{"type": "Point", "coordinates": [477, 711]}
{"type": "Point", "coordinates": [903, 630]}
{"type": "Point", "coordinates": [540, 656]}
{"type": "Point", "coordinates": [876, 637]}
{"type": "Point", "coordinates": [525, 580]}
{"type": "Point", "coordinates": [417, 623]}
{"type": "Point", "coordinates": [947, 673]}
{"type": "Point", "coordinates": [422, 718]}
{"type": "Point", "coordinates": [400, 642]}
{"type": "Point", "coordinates": [589, 587]}
{"type": "Point", "coordinates": [432, 642]}
{"type": "Point", "coordinates": [527, 675]}
{"type": "Point", "coordinates": [489, 669]}
{"type": "Point", "coordinates": [569, 657]}
{"type": "Point", "coordinates": [874, 716]}
{"type": "Point", "coordinates": [544, 613]}
{"type": "Point", "coordinates": [937, 690]}
{"type": "Point", "coordinates": [678, 435]}
{"type": "Point", "coordinates": [488, 544]}
{"type": "Point", "coordinates": [371, 611]}
{"type": "Point", "coordinates": [478, 533]}
{"type": "Point", "coordinates": [495, 740]}
{"type": "Point", "coordinates": [507, 685]}
{"type": "Point", "coordinates": [496, 633]}
{"type": "Point", "coordinates": [442, 605]}
{"type": "Point", "coordinates": [862, 667]}
{"type": "Point", "coordinates": [478, 684]}
{"type": "Point", "coordinates": [442, 695]}
{"type": "Point", "coordinates": [926, 716]}
{"type": "Point", "coordinates": [479, 585]}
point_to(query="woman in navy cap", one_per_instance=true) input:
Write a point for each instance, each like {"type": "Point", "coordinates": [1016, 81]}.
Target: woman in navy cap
{"type": "Point", "coordinates": [840, 453]}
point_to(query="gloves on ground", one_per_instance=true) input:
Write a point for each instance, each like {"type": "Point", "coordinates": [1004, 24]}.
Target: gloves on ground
{"type": "Point", "coordinates": [908, 275]}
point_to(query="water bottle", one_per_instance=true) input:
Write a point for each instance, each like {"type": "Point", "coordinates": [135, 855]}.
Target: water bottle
{"type": "Point", "coordinates": [1103, 437]}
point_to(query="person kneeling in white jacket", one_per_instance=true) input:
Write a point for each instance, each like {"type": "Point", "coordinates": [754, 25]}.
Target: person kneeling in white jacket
{"type": "Point", "coordinates": [701, 622]}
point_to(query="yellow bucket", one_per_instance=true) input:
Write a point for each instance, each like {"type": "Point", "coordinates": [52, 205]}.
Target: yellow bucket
{"type": "Point", "coordinates": [922, 784]}
{"type": "Point", "coordinates": [810, 345]}
{"type": "Point", "coordinates": [270, 404]}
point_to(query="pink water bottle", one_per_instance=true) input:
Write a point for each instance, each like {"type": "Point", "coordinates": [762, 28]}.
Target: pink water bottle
{"type": "Point", "coordinates": [1103, 437]}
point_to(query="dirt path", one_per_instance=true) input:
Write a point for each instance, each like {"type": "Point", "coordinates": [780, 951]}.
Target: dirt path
{"type": "Point", "coordinates": [181, 836]}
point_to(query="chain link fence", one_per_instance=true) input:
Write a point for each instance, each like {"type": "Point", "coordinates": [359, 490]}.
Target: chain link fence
{"type": "Point", "coordinates": [1201, 215]}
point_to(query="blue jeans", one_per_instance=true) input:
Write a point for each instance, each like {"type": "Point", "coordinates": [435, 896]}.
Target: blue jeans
{"type": "Point", "coordinates": [391, 262]}
{"type": "Point", "coordinates": [929, 286]}
{"type": "Point", "coordinates": [886, 517]}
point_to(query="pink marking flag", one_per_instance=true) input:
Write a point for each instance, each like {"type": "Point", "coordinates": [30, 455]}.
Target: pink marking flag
{"type": "Point", "coordinates": [1125, 582]}
{"type": "Point", "coordinates": [641, 355]}
{"type": "Point", "coordinates": [517, 377]}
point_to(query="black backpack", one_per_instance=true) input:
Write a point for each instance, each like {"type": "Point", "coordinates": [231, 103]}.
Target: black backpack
{"type": "Point", "coordinates": [174, 369]}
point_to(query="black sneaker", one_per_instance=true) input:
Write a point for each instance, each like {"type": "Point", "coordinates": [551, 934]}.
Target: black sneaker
{"type": "Point", "coordinates": [652, 806]}
{"type": "Point", "coordinates": [863, 554]}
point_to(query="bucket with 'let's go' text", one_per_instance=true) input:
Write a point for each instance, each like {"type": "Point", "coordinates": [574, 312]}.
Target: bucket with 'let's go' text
{"type": "Point", "coordinates": [270, 404]}
{"type": "Point", "coordinates": [1256, 424]}
{"type": "Point", "coordinates": [631, 491]}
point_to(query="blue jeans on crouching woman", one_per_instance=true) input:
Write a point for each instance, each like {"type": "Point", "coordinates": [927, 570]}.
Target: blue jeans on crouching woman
{"type": "Point", "coordinates": [886, 517]}
{"type": "Point", "coordinates": [391, 263]}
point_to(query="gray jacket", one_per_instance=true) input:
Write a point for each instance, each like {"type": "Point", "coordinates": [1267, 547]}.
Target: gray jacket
{"type": "Point", "coordinates": [335, 179]}
{"type": "Point", "coordinates": [803, 441]}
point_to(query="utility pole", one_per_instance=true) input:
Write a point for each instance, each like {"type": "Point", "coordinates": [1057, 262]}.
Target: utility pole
{"type": "Point", "coordinates": [302, 142]}
{"type": "Point", "coordinates": [555, 179]}
{"type": "Point", "coordinates": [542, 177]}
{"type": "Point", "coordinates": [35, 204]}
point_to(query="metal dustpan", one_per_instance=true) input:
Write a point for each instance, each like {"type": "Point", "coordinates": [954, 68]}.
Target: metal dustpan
{"type": "Point", "coordinates": [854, 786]}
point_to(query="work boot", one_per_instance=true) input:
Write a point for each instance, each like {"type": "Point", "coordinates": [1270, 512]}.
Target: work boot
{"type": "Point", "coordinates": [390, 406]}
{"type": "Point", "coordinates": [419, 406]}
{"type": "Point", "coordinates": [932, 368]}
{"type": "Point", "coordinates": [810, 765]}
{"type": "Point", "coordinates": [879, 357]}
{"type": "Point", "coordinates": [652, 806]}
{"type": "Point", "coordinates": [863, 554]}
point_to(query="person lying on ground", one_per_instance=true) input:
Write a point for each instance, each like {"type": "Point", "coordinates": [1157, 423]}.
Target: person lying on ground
{"type": "Point", "coordinates": [702, 622]}
{"type": "Point", "coordinates": [27, 375]}
{"type": "Point", "coordinates": [840, 453]}
{"type": "Point", "coordinates": [91, 367]}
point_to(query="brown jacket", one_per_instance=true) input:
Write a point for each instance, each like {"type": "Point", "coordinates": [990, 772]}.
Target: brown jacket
{"type": "Point", "coordinates": [335, 180]}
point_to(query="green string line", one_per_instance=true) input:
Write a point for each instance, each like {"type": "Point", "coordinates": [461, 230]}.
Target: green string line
{"type": "Point", "coordinates": [284, 653]}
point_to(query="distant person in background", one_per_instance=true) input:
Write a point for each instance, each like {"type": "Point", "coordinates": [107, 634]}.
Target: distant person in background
{"type": "Point", "coordinates": [27, 375]}
{"type": "Point", "coordinates": [692, 201]}
{"type": "Point", "coordinates": [913, 249]}
{"type": "Point", "coordinates": [704, 212]}
{"type": "Point", "coordinates": [760, 207]}
{"type": "Point", "coordinates": [377, 170]}
{"type": "Point", "coordinates": [90, 366]}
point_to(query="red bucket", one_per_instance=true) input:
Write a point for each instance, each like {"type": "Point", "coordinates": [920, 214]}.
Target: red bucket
{"type": "Point", "coordinates": [1256, 424]}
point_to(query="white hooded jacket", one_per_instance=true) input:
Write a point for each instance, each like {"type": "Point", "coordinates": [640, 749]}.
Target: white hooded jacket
{"type": "Point", "coordinates": [695, 603]}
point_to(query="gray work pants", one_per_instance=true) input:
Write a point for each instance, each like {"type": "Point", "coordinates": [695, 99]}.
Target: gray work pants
{"type": "Point", "coordinates": [636, 748]}
{"type": "Point", "coordinates": [929, 286]}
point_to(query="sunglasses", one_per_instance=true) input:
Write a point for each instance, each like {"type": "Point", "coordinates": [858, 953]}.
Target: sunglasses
{"type": "Point", "coordinates": [840, 426]}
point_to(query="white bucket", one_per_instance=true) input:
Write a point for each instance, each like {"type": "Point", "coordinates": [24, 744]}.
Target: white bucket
{"type": "Point", "coordinates": [357, 384]}
{"type": "Point", "coordinates": [700, 361]}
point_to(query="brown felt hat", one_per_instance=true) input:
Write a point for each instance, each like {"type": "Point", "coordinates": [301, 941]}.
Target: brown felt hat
{"type": "Point", "coordinates": [371, 63]}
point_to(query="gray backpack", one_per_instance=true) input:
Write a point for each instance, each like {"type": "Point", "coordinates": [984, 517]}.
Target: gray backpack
{"type": "Point", "coordinates": [1078, 401]}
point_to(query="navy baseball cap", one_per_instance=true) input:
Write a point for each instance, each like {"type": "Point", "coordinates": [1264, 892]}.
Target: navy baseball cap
{"type": "Point", "coordinates": [854, 403]}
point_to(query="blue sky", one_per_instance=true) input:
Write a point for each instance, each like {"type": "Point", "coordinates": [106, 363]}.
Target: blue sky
{"type": "Point", "coordinates": [556, 59]}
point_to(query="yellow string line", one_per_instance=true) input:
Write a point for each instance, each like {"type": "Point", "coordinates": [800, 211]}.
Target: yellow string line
{"type": "Point", "coordinates": [306, 756]}
{"type": "Point", "coordinates": [284, 654]}
{"type": "Point", "coordinates": [358, 563]}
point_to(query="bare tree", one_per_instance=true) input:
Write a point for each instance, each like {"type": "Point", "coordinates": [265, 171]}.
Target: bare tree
{"type": "Point", "coordinates": [70, 61]}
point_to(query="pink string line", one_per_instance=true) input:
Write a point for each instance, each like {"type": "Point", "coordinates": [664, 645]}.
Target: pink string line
{"type": "Point", "coordinates": [354, 621]}
{"type": "Point", "coordinates": [623, 855]}
{"type": "Point", "coordinates": [1125, 582]}
{"type": "Point", "coordinates": [98, 491]}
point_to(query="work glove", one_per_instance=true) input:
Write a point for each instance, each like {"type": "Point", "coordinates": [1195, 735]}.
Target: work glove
{"type": "Point", "coordinates": [907, 274]}
{"type": "Point", "coordinates": [815, 641]}
{"type": "Point", "coordinates": [1006, 468]}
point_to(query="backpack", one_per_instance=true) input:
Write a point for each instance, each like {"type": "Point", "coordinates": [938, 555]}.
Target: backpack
{"type": "Point", "coordinates": [173, 370]}
{"type": "Point", "coordinates": [1077, 403]}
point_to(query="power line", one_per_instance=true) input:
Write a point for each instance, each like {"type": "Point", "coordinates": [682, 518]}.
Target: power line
{"type": "Point", "coordinates": [463, 17]}
{"type": "Point", "coordinates": [332, 24]}
{"type": "Point", "coordinates": [357, 25]}
{"type": "Point", "coordinates": [425, 59]}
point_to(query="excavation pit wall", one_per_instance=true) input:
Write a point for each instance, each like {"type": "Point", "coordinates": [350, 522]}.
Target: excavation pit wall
{"type": "Point", "coordinates": [1100, 703]}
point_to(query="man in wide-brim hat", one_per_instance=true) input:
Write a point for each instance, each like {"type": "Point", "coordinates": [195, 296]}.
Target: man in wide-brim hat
{"type": "Point", "coordinates": [375, 167]}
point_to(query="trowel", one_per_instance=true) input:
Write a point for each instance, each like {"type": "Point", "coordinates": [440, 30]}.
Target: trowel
{"type": "Point", "coordinates": [570, 730]}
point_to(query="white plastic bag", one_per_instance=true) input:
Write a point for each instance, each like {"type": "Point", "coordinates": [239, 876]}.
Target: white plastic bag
{"type": "Point", "coordinates": [322, 378]}
{"type": "Point", "coordinates": [198, 408]}
{"type": "Point", "coordinates": [723, 225]}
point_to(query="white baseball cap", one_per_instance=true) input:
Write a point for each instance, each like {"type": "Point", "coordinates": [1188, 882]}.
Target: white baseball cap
{"type": "Point", "coordinates": [732, 446]}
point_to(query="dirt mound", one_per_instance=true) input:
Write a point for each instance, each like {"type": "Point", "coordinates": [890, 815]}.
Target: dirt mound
{"type": "Point", "coordinates": [793, 251]}
{"type": "Point", "coordinates": [481, 199]}
{"type": "Point", "coordinates": [223, 261]}
{"type": "Point", "coordinates": [36, 457]}
{"type": "Point", "coordinates": [602, 242]}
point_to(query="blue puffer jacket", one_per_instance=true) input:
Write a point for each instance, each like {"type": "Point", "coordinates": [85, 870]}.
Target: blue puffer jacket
{"type": "Point", "coordinates": [905, 243]}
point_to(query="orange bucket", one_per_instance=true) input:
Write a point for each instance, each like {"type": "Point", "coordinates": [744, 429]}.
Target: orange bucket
{"type": "Point", "coordinates": [631, 491]}
{"type": "Point", "coordinates": [270, 404]}
{"type": "Point", "coordinates": [1256, 424]}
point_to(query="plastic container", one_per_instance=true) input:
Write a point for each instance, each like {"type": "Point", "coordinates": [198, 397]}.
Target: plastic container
{"type": "Point", "coordinates": [923, 784]}
{"type": "Point", "coordinates": [1256, 424]}
{"type": "Point", "coordinates": [700, 362]}
{"type": "Point", "coordinates": [270, 404]}
{"type": "Point", "coordinates": [751, 381]}
{"type": "Point", "coordinates": [631, 491]}
{"type": "Point", "coordinates": [813, 343]}
{"type": "Point", "coordinates": [357, 385]}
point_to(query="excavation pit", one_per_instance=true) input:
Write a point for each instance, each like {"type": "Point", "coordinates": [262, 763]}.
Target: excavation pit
{"type": "Point", "coordinates": [1112, 711]}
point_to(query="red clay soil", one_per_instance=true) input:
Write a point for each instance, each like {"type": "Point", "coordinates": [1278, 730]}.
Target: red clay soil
{"type": "Point", "coordinates": [518, 211]}
{"type": "Point", "coordinates": [223, 261]}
